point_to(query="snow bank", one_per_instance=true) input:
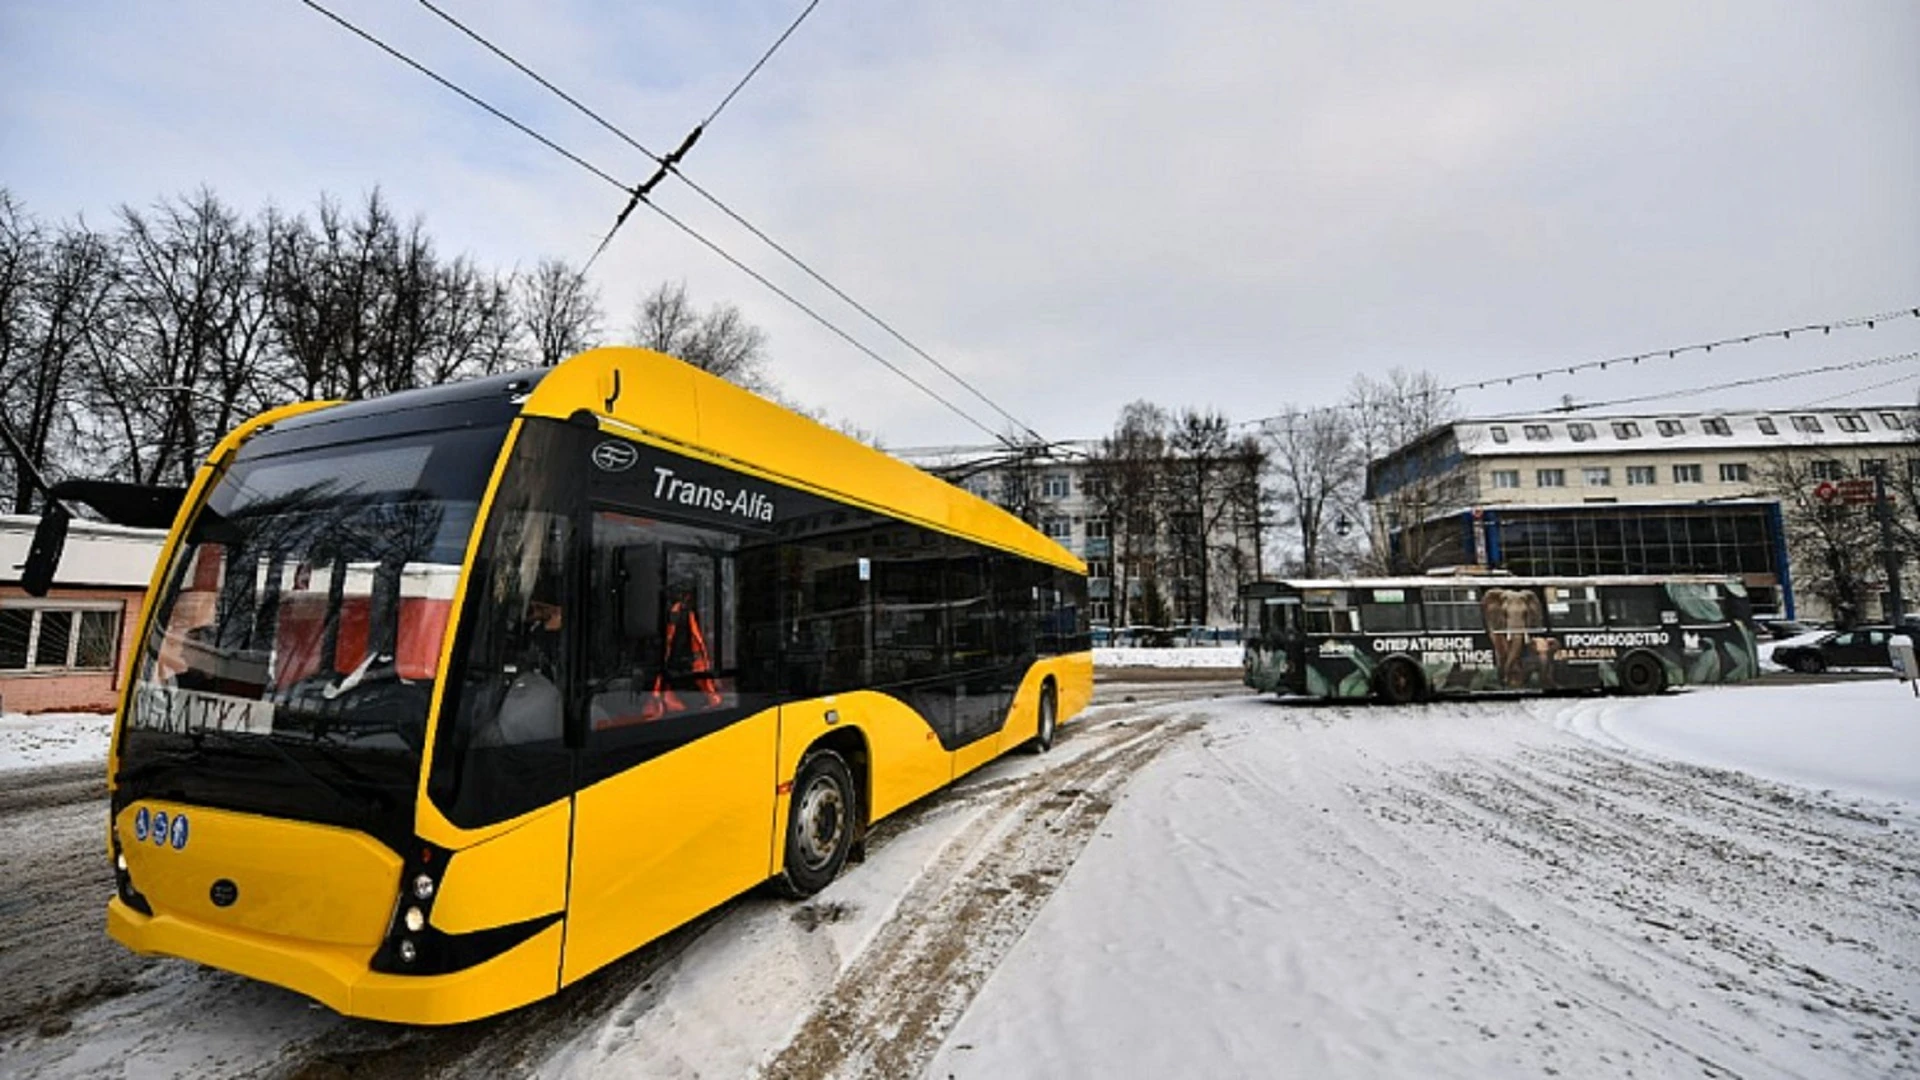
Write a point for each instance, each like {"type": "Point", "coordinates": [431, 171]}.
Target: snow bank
{"type": "Point", "coordinates": [1200, 656]}
{"type": "Point", "coordinates": [29, 742]}
{"type": "Point", "coordinates": [1857, 738]}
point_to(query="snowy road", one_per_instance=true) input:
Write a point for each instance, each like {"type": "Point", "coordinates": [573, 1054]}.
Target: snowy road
{"type": "Point", "coordinates": [1195, 883]}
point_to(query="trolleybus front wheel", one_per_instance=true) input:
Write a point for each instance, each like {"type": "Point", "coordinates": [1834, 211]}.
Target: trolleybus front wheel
{"type": "Point", "coordinates": [820, 824]}
{"type": "Point", "coordinates": [1399, 683]}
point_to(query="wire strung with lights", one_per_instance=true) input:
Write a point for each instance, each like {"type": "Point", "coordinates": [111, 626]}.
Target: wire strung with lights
{"type": "Point", "coordinates": [1757, 380]}
{"type": "Point", "coordinates": [689, 230]}
{"type": "Point", "coordinates": [1629, 360]}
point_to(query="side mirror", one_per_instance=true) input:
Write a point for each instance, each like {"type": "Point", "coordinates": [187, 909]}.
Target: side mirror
{"type": "Point", "coordinates": [43, 558]}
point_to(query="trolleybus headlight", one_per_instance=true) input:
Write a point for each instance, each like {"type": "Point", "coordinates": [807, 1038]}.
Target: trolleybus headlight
{"type": "Point", "coordinates": [423, 887]}
{"type": "Point", "coordinates": [415, 920]}
{"type": "Point", "coordinates": [121, 862]}
{"type": "Point", "coordinates": [407, 951]}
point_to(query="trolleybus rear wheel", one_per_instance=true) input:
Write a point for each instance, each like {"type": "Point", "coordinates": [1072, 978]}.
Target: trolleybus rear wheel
{"type": "Point", "coordinates": [1641, 674]}
{"type": "Point", "coordinates": [1049, 721]}
{"type": "Point", "coordinates": [820, 824]}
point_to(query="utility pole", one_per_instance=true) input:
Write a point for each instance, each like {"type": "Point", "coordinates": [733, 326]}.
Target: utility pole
{"type": "Point", "coordinates": [1888, 555]}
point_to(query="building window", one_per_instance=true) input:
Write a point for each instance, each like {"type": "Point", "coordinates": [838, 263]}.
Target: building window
{"type": "Point", "coordinates": [1765, 424]}
{"type": "Point", "coordinates": [50, 638]}
{"type": "Point", "coordinates": [1640, 475]}
{"type": "Point", "coordinates": [1099, 611]}
{"type": "Point", "coordinates": [1686, 474]}
{"type": "Point", "coordinates": [1872, 466]}
{"type": "Point", "coordinates": [1850, 422]}
{"type": "Point", "coordinates": [1626, 429]}
{"type": "Point", "coordinates": [1550, 478]}
{"type": "Point", "coordinates": [1057, 528]}
{"type": "Point", "coordinates": [1054, 486]}
{"type": "Point", "coordinates": [1671, 427]}
{"type": "Point", "coordinates": [1826, 469]}
{"type": "Point", "coordinates": [1099, 568]}
{"type": "Point", "coordinates": [1506, 478]}
{"type": "Point", "coordinates": [1537, 432]}
{"type": "Point", "coordinates": [1094, 487]}
{"type": "Point", "coordinates": [1808, 424]}
{"type": "Point", "coordinates": [1097, 528]}
{"type": "Point", "coordinates": [1580, 432]}
{"type": "Point", "coordinates": [1498, 432]}
{"type": "Point", "coordinates": [1598, 477]}
{"type": "Point", "coordinates": [1716, 425]}
{"type": "Point", "coordinates": [1892, 421]}
{"type": "Point", "coordinates": [1733, 472]}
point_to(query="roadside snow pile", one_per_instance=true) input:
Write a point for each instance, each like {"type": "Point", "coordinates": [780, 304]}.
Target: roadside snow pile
{"type": "Point", "coordinates": [1855, 738]}
{"type": "Point", "coordinates": [29, 742]}
{"type": "Point", "coordinates": [1200, 656]}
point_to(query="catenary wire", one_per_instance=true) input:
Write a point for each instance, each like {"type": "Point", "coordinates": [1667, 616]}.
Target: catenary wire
{"type": "Point", "coordinates": [670, 163]}
{"type": "Point", "coordinates": [758, 64]}
{"type": "Point", "coordinates": [689, 230]}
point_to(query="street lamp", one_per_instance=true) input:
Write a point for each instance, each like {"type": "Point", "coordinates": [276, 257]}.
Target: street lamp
{"type": "Point", "coordinates": [1343, 526]}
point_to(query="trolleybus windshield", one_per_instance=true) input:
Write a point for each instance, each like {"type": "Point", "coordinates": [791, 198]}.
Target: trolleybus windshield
{"type": "Point", "coordinates": [294, 646]}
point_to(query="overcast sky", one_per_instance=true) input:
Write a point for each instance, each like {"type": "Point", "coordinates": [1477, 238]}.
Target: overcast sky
{"type": "Point", "coordinates": [1075, 205]}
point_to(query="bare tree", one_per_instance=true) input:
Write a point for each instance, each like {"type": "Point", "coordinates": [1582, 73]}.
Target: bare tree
{"type": "Point", "coordinates": [1834, 547]}
{"type": "Point", "coordinates": [1205, 468]}
{"type": "Point", "coordinates": [1127, 473]}
{"type": "Point", "coordinates": [1318, 465]}
{"type": "Point", "coordinates": [719, 341]}
{"type": "Point", "coordinates": [559, 312]}
{"type": "Point", "coordinates": [52, 288]}
{"type": "Point", "coordinates": [1398, 424]}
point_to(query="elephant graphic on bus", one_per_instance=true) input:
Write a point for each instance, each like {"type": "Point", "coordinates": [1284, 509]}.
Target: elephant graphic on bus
{"type": "Point", "coordinates": [1517, 624]}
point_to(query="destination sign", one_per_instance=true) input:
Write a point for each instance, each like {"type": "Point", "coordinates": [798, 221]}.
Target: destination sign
{"type": "Point", "coordinates": [175, 711]}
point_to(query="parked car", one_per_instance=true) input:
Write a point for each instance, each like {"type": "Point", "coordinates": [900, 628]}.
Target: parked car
{"type": "Point", "coordinates": [1782, 629]}
{"type": "Point", "coordinates": [1862, 646]}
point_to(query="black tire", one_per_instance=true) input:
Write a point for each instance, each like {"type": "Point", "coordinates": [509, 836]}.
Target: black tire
{"type": "Point", "coordinates": [1399, 683]}
{"type": "Point", "coordinates": [822, 818]}
{"type": "Point", "coordinates": [1641, 674]}
{"type": "Point", "coordinates": [1809, 663]}
{"type": "Point", "coordinates": [1042, 740]}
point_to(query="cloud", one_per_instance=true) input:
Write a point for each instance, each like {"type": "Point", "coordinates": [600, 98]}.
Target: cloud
{"type": "Point", "coordinates": [1076, 205]}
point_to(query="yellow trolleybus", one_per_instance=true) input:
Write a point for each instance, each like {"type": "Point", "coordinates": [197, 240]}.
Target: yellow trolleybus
{"type": "Point", "coordinates": [447, 699]}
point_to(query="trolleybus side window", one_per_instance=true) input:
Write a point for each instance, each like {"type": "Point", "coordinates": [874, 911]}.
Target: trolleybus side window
{"type": "Point", "coordinates": [1452, 608]}
{"type": "Point", "coordinates": [1631, 606]}
{"type": "Point", "coordinates": [1326, 613]}
{"type": "Point", "coordinates": [1697, 602]}
{"type": "Point", "coordinates": [1574, 607]}
{"type": "Point", "coordinates": [1387, 611]}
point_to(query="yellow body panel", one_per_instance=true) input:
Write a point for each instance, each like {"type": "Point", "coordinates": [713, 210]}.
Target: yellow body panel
{"type": "Point", "coordinates": [272, 862]}
{"type": "Point", "coordinates": [337, 975]}
{"type": "Point", "coordinates": [511, 878]}
{"type": "Point", "coordinates": [664, 400]}
{"type": "Point", "coordinates": [668, 839]}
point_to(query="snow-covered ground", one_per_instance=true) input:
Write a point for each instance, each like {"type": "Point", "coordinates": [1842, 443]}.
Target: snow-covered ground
{"type": "Point", "coordinates": [1232, 886]}
{"type": "Point", "coordinates": [30, 742]}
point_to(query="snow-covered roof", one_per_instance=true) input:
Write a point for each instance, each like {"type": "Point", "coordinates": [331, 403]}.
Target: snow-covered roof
{"type": "Point", "coordinates": [117, 556]}
{"type": "Point", "coordinates": [1879, 425]}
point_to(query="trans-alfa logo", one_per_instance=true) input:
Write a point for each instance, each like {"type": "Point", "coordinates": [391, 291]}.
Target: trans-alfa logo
{"type": "Point", "coordinates": [614, 457]}
{"type": "Point", "coordinates": [162, 828]}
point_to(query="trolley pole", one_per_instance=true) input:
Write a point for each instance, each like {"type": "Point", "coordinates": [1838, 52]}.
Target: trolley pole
{"type": "Point", "coordinates": [1889, 556]}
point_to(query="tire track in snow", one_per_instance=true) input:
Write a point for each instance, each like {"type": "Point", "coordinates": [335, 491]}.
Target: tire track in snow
{"type": "Point", "coordinates": [892, 1007]}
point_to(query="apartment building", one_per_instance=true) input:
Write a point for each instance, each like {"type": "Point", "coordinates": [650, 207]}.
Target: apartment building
{"type": "Point", "coordinates": [1059, 496]}
{"type": "Point", "coordinates": [1629, 493]}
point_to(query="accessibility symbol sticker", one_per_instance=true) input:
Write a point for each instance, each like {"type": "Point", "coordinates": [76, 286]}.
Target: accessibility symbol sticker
{"type": "Point", "coordinates": [140, 822]}
{"type": "Point", "coordinates": [160, 827]}
{"type": "Point", "coordinates": [179, 831]}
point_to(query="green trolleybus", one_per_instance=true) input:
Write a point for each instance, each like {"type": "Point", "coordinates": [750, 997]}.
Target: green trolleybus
{"type": "Point", "coordinates": [1407, 639]}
